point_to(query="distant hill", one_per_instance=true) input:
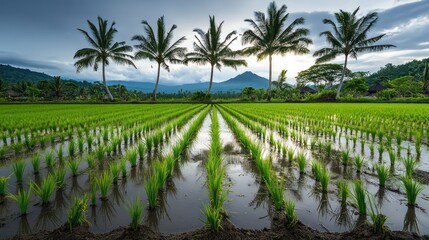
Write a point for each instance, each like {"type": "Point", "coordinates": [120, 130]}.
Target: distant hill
{"type": "Point", "coordinates": [247, 79]}
{"type": "Point", "coordinates": [236, 84]}
{"type": "Point", "coordinates": [12, 74]}
{"type": "Point", "coordinates": [414, 68]}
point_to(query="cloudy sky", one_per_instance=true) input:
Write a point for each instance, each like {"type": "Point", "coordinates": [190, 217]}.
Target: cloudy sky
{"type": "Point", "coordinates": [41, 35]}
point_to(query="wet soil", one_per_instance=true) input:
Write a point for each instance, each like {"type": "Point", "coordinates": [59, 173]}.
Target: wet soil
{"type": "Point", "coordinates": [229, 231]}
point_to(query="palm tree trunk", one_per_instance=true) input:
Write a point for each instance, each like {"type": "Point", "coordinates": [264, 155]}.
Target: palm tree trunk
{"type": "Point", "coordinates": [342, 77]}
{"type": "Point", "coordinates": [156, 84]}
{"type": "Point", "coordinates": [270, 78]}
{"type": "Point", "coordinates": [211, 80]}
{"type": "Point", "coordinates": [104, 82]}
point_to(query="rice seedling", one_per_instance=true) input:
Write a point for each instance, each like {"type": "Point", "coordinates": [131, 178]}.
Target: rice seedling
{"type": "Point", "coordinates": [410, 165]}
{"type": "Point", "coordinates": [328, 149]}
{"type": "Point", "coordinates": [409, 150]}
{"type": "Point", "coordinates": [89, 141]}
{"type": "Point", "coordinates": [23, 199]}
{"type": "Point", "coordinates": [135, 211]}
{"type": "Point", "coordinates": [60, 153]}
{"type": "Point", "coordinates": [359, 162]}
{"type": "Point", "coordinates": [362, 146]}
{"type": "Point", "coordinates": [35, 162]}
{"type": "Point", "coordinates": [151, 188]}
{"type": "Point", "coordinates": [343, 190]}
{"type": "Point", "coordinates": [104, 182]}
{"type": "Point", "coordinates": [412, 190]}
{"type": "Point", "coordinates": [132, 157]}
{"type": "Point", "coordinates": [290, 154]}
{"type": "Point", "coordinates": [59, 175]}
{"type": "Point", "coordinates": [301, 162]}
{"type": "Point", "coordinates": [72, 148]}
{"type": "Point", "coordinates": [3, 185]}
{"type": "Point", "coordinates": [325, 176]}
{"type": "Point", "coordinates": [76, 216]}
{"type": "Point", "coordinates": [93, 192]}
{"type": "Point", "coordinates": [291, 215]}
{"type": "Point", "coordinates": [2, 152]}
{"type": "Point", "coordinates": [99, 152]}
{"type": "Point", "coordinates": [46, 189]}
{"type": "Point", "coordinates": [371, 149]}
{"type": "Point", "coordinates": [382, 173]}
{"type": "Point", "coordinates": [74, 166]}
{"type": "Point", "coordinates": [276, 188]}
{"type": "Point", "coordinates": [316, 169]}
{"type": "Point", "coordinates": [49, 159]}
{"type": "Point", "coordinates": [115, 170]}
{"type": "Point", "coordinates": [398, 140]}
{"type": "Point", "coordinates": [141, 149]}
{"type": "Point", "coordinates": [18, 168]}
{"type": "Point", "coordinates": [17, 147]}
{"type": "Point", "coordinates": [380, 150]}
{"type": "Point", "coordinates": [80, 144]}
{"type": "Point", "coordinates": [90, 159]}
{"type": "Point", "coordinates": [123, 166]}
{"type": "Point", "coordinates": [359, 197]}
{"type": "Point", "coordinates": [213, 218]}
{"type": "Point", "coordinates": [392, 156]}
{"type": "Point", "coordinates": [345, 157]}
{"type": "Point", "coordinates": [378, 219]}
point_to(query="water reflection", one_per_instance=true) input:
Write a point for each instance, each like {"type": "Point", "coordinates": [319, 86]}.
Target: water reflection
{"type": "Point", "coordinates": [46, 218]}
{"type": "Point", "coordinates": [411, 223]}
{"type": "Point", "coordinates": [23, 226]}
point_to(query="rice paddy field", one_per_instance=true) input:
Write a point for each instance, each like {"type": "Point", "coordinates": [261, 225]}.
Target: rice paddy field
{"type": "Point", "coordinates": [181, 167]}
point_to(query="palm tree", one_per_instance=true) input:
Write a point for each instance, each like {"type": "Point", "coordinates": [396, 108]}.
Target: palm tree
{"type": "Point", "coordinates": [209, 48]}
{"type": "Point", "coordinates": [159, 47]}
{"type": "Point", "coordinates": [281, 80]}
{"type": "Point", "coordinates": [426, 77]}
{"type": "Point", "coordinates": [56, 85]}
{"type": "Point", "coordinates": [349, 38]}
{"type": "Point", "coordinates": [102, 50]}
{"type": "Point", "coordinates": [270, 36]}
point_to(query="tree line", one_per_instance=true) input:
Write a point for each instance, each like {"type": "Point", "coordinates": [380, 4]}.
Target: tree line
{"type": "Point", "coordinates": [269, 34]}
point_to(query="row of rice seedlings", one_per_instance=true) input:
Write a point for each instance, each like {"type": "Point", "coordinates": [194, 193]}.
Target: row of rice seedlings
{"type": "Point", "coordinates": [275, 187]}
{"type": "Point", "coordinates": [163, 169]}
{"type": "Point", "coordinates": [215, 175]}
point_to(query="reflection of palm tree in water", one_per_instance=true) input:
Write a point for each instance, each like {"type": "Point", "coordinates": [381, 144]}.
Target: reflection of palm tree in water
{"type": "Point", "coordinates": [411, 222]}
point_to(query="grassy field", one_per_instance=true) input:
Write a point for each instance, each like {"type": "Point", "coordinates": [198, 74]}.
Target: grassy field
{"type": "Point", "coordinates": [330, 166]}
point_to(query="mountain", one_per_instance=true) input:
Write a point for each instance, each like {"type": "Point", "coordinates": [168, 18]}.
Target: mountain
{"type": "Point", "coordinates": [13, 74]}
{"type": "Point", "coordinates": [236, 84]}
{"type": "Point", "coordinates": [247, 79]}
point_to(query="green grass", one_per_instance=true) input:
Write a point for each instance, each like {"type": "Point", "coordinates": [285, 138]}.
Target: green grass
{"type": "Point", "coordinates": [35, 162]}
{"type": "Point", "coordinates": [23, 199]}
{"type": "Point", "coordinates": [359, 162]}
{"type": "Point", "coordinates": [291, 215]}
{"type": "Point", "coordinates": [359, 197]}
{"type": "Point", "coordinates": [343, 190]}
{"type": "Point", "coordinates": [135, 211]}
{"type": "Point", "coordinates": [18, 168]}
{"type": "Point", "coordinates": [213, 218]}
{"type": "Point", "coordinates": [46, 189]}
{"type": "Point", "coordinates": [412, 190]}
{"type": "Point", "coordinates": [104, 182]}
{"type": "Point", "coordinates": [3, 185]}
{"type": "Point", "coordinates": [74, 166]}
{"type": "Point", "coordinates": [76, 216]}
{"type": "Point", "coordinates": [382, 173]}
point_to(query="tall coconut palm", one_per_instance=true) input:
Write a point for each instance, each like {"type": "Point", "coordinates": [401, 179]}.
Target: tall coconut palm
{"type": "Point", "coordinates": [271, 36]}
{"type": "Point", "coordinates": [209, 48]}
{"type": "Point", "coordinates": [103, 49]}
{"type": "Point", "coordinates": [349, 38]}
{"type": "Point", "coordinates": [426, 77]}
{"type": "Point", "coordinates": [159, 47]}
{"type": "Point", "coordinates": [281, 80]}
{"type": "Point", "coordinates": [57, 86]}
